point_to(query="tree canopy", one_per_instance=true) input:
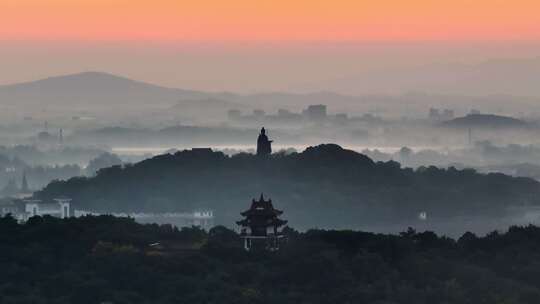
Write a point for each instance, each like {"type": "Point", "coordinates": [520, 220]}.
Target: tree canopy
{"type": "Point", "coordinates": [115, 260]}
{"type": "Point", "coordinates": [323, 186]}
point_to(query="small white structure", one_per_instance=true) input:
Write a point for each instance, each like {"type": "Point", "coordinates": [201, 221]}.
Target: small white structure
{"type": "Point", "coordinates": [22, 210]}
{"type": "Point", "coordinates": [59, 208]}
{"type": "Point", "coordinates": [204, 219]}
{"type": "Point", "coordinates": [81, 213]}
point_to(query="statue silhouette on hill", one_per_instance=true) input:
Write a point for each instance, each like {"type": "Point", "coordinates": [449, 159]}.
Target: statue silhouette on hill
{"type": "Point", "coordinates": [264, 145]}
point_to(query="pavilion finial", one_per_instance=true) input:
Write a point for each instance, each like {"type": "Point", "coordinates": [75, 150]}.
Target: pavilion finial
{"type": "Point", "coordinates": [262, 197]}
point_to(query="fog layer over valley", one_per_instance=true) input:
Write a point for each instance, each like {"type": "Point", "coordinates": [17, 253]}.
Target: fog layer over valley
{"type": "Point", "coordinates": [438, 161]}
{"type": "Point", "coordinates": [324, 186]}
{"type": "Point", "coordinates": [263, 152]}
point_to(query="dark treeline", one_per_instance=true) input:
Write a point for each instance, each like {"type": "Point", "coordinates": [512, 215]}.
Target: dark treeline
{"type": "Point", "coordinates": [114, 260]}
{"type": "Point", "coordinates": [324, 186]}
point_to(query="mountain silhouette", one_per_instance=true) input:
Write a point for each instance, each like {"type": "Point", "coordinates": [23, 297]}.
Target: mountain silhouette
{"type": "Point", "coordinates": [92, 89]}
{"type": "Point", "coordinates": [485, 121]}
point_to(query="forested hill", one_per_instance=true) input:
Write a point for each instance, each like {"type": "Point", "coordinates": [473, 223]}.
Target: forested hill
{"type": "Point", "coordinates": [109, 260]}
{"type": "Point", "coordinates": [323, 186]}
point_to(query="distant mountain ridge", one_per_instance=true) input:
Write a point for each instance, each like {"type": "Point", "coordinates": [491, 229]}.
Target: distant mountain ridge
{"type": "Point", "coordinates": [102, 88]}
{"type": "Point", "coordinates": [92, 89]}
{"type": "Point", "coordinates": [486, 121]}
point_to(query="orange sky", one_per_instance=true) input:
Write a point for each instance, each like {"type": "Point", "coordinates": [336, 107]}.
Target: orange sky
{"type": "Point", "coordinates": [270, 20]}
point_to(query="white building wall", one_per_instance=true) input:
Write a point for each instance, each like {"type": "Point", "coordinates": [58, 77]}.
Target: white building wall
{"type": "Point", "coordinates": [61, 209]}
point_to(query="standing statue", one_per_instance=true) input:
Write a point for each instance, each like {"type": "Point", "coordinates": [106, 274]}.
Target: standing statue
{"type": "Point", "coordinates": [264, 146]}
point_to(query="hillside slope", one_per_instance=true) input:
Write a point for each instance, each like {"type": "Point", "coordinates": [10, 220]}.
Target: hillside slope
{"type": "Point", "coordinates": [324, 186]}
{"type": "Point", "coordinates": [91, 89]}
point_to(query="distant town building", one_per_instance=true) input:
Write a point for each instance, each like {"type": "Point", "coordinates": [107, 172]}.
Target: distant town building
{"type": "Point", "coordinates": [474, 112]}
{"type": "Point", "coordinates": [315, 112]}
{"type": "Point", "coordinates": [448, 114]}
{"type": "Point", "coordinates": [60, 208]}
{"type": "Point", "coordinates": [259, 113]}
{"type": "Point", "coordinates": [203, 219]}
{"type": "Point", "coordinates": [264, 145]}
{"type": "Point", "coordinates": [46, 137]}
{"type": "Point", "coordinates": [10, 189]}
{"type": "Point", "coordinates": [434, 114]}
{"type": "Point", "coordinates": [284, 112]}
{"type": "Point", "coordinates": [341, 118]}
{"type": "Point", "coordinates": [22, 210]}
{"type": "Point", "coordinates": [234, 114]}
{"type": "Point", "coordinates": [261, 226]}
{"type": "Point", "coordinates": [441, 115]}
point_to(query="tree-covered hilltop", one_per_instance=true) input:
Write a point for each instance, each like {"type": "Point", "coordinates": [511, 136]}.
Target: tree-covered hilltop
{"type": "Point", "coordinates": [113, 260]}
{"type": "Point", "coordinates": [323, 186]}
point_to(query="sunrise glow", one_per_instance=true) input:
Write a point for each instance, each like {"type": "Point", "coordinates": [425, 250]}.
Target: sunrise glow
{"type": "Point", "coordinates": [264, 20]}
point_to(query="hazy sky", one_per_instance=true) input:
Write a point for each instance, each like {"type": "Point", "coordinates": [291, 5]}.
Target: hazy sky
{"type": "Point", "coordinates": [262, 20]}
{"type": "Point", "coordinates": [251, 45]}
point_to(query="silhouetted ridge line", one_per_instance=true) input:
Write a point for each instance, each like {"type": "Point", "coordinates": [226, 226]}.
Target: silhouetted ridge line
{"type": "Point", "coordinates": [323, 186]}
{"type": "Point", "coordinates": [485, 121]}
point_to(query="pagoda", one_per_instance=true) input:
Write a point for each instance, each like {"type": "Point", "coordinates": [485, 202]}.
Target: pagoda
{"type": "Point", "coordinates": [261, 226]}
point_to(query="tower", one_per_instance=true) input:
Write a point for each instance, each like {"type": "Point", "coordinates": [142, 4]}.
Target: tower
{"type": "Point", "coordinates": [24, 184]}
{"type": "Point", "coordinates": [261, 226]}
{"type": "Point", "coordinates": [264, 146]}
{"type": "Point", "coordinates": [61, 137]}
